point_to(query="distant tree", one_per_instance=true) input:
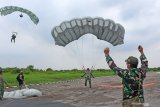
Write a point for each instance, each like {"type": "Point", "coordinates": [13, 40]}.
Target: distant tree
{"type": "Point", "coordinates": [101, 70]}
{"type": "Point", "coordinates": [49, 69]}
{"type": "Point", "coordinates": [41, 70]}
{"type": "Point", "coordinates": [15, 70]}
{"type": "Point", "coordinates": [30, 67]}
{"type": "Point", "coordinates": [74, 70]}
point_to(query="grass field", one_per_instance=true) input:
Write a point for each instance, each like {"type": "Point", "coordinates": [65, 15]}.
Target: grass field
{"type": "Point", "coordinates": [51, 76]}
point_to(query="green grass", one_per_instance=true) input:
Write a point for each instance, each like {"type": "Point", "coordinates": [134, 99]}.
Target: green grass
{"type": "Point", "coordinates": [51, 76]}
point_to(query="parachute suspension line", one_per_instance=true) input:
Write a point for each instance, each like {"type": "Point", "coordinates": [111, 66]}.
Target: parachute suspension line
{"type": "Point", "coordinates": [78, 54]}
{"type": "Point", "coordinates": [82, 53]}
{"type": "Point", "coordinates": [78, 50]}
{"type": "Point", "coordinates": [92, 52]}
{"type": "Point", "coordinates": [74, 47]}
{"type": "Point", "coordinates": [97, 50]}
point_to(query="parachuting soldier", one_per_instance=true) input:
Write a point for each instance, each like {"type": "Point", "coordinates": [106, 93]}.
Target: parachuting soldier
{"type": "Point", "coordinates": [132, 78]}
{"type": "Point", "coordinates": [13, 37]}
{"type": "Point", "coordinates": [21, 15]}
{"type": "Point", "coordinates": [10, 9]}
{"type": "Point", "coordinates": [88, 75]}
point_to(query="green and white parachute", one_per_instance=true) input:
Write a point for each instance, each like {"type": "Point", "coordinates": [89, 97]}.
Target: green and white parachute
{"type": "Point", "coordinates": [106, 30]}
{"type": "Point", "coordinates": [10, 9]}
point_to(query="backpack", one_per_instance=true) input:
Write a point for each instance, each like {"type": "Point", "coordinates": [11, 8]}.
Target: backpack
{"type": "Point", "coordinates": [18, 77]}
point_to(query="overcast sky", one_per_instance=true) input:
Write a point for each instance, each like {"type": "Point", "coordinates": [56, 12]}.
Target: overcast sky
{"type": "Point", "coordinates": [35, 44]}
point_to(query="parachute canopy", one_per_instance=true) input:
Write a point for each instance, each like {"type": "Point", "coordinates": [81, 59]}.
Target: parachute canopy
{"type": "Point", "coordinates": [10, 9]}
{"type": "Point", "coordinates": [106, 30]}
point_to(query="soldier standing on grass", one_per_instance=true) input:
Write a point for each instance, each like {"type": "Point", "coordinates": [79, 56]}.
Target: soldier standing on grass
{"type": "Point", "coordinates": [2, 82]}
{"type": "Point", "coordinates": [88, 75]}
{"type": "Point", "coordinates": [132, 78]}
{"type": "Point", "coordinates": [20, 79]}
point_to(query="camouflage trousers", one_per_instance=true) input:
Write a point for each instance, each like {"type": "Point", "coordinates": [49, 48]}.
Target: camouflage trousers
{"type": "Point", "coordinates": [88, 79]}
{"type": "Point", "coordinates": [1, 91]}
{"type": "Point", "coordinates": [134, 102]}
{"type": "Point", "coordinates": [21, 84]}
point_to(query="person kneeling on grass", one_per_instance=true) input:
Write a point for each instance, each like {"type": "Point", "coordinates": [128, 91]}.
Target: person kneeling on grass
{"type": "Point", "coordinates": [88, 75]}
{"type": "Point", "coordinates": [132, 78]}
{"type": "Point", "coordinates": [2, 82]}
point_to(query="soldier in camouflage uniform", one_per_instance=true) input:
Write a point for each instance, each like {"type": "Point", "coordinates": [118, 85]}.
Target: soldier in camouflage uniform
{"type": "Point", "coordinates": [2, 82]}
{"type": "Point", "coordinates": [20, 80]}
{"type": "Point", "coordinates": [13, 37]}
{"type": "Point", "coordinates": [88, 75]}
{"type": "Point", "coordinates": [132, 78]}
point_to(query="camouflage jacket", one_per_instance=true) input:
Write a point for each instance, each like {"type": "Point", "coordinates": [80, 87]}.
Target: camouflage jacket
{"type": "Point", "coordinates": [2, 80]}
{"type": "Point", "coordinates": [88, 74]}
{"type": "Point", "coordinates": [132, 79]}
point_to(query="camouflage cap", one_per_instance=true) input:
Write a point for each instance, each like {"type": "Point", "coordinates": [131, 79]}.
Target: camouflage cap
{"type": "Point", "coordinates": [132, 60]}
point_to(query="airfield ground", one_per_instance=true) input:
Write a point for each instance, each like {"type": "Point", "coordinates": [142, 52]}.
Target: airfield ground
{"type": "Point", "coordinates": [105, 92]}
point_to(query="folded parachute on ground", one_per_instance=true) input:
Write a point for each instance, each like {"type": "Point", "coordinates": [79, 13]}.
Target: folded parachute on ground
{"type": "Point", "coordinates": [106, 30]}
{"type": "Point", "coordinates": [22, 93]}
{"type": "Point", "coordinates": [10, 9]}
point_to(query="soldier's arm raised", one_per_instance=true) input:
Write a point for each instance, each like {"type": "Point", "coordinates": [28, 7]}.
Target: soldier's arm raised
{"type": "Point", "coordinates": [144, 61]}
{"type": "Point", "coordinates": [112, 65]}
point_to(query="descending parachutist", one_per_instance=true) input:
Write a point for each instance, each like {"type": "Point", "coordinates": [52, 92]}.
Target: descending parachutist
{"type": "Point", "coordinates": [21, 15]}
{"type": "Point", "coordinates": [13, 37]}
{"type": "Point", "coordinates": [10, 9]}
